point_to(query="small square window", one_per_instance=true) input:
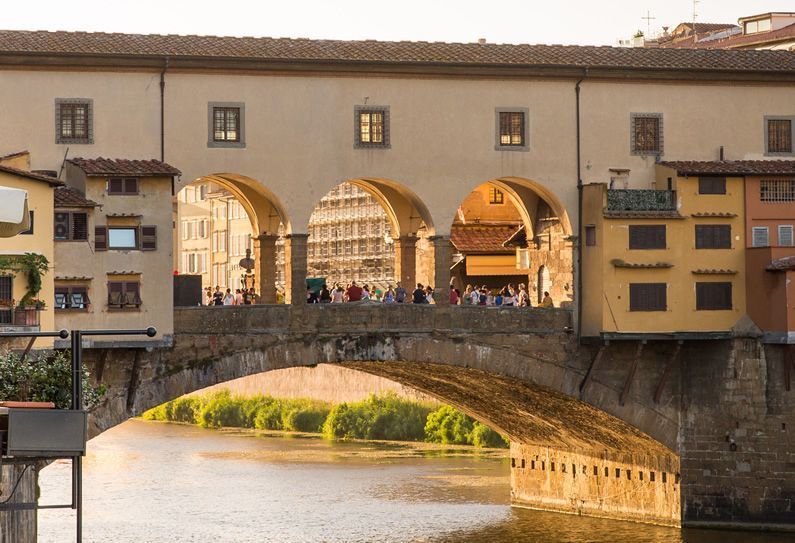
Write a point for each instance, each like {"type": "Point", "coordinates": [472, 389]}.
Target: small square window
{"type": "Point", "coordinates": [226, 125]}
{"type": "Point", "coordinates": [125, 186]}
{"type": "Point", "coordinates": [712, 185]}
{"type": "Point", "coordinates": [590, 236]}
{"type": "Point", "coordinates": [713, 236]}
{"type": "Point", "coordinates": [648, 297]}
{"type": "Point", "coordinates": [371, 125]}
{"type": "Point", "coordinates": [713, 296]}
{"type": "Point", "coordinates": [760, 236]}
{"type": "Point", "coordinates": [511, 129]}
{"type": "Point", "coordinates": [785, 238]}
{"type": "Point", "coordinates": [496, 196]}
{"type": "Point", "coordinates": [779, 135]}
{"type": "Point", "coordinates": [122, 238]}
{"type": "Point", "coordinates": [651, 236]}
{"type": "Point", "coordinates": [74, 119]}
{"type": "Point", "coordinates": [646, 134]}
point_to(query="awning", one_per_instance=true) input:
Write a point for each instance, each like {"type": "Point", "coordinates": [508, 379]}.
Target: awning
{"type": "Point", "coordinates": [14, 216]}
{"type": "Point", "coordinates": [492, 265]}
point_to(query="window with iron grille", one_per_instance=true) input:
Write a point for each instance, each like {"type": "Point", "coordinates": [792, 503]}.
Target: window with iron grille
{"type": "Point", "coordinates": [71, 226]}
{"type": "Point", "coordinates": [777, 190]}
{"type": "Point", "coordinates": [226, 125]}
{"type": "Point", "coordinates": [647, 236]}
{"type": "Point", "coordinates": [713, 236]}
{"type": "Point", "coordinates": [124, 294]}
{"type": "Point", "coordinates": [647, 297]}
{"type": "Point", "coordinates": [71, 297]}
{"type": "Point", "coordinates": [760, 236]}
{"type": "Point", "coordinates": [713, 296]}
{"type": "Point", "coordinates": [646, 133]}
{"type": "Point", "coordinates": [778, 135]}
{"type": "Point", "coordinates": [125, 186]}
{"type": "Point", "coordinates": [74, 120]}
{"type": "Point", "coordinates": [371, 127]}
{"type": "Point", "coordinates": [712, 185]}
{"type": "Point", "coordinates": [785, 237]}
{"type": "Point", "coordinates": [496, 196]}
{"type": "Point", "coordinates": [511, 129]}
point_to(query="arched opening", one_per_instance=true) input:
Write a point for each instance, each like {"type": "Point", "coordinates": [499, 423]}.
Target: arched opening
{"type": "Point", "coordinates": [510, 231]}
{"type": "Point", "coordinates": [231, 232]}
{"type": "Point", "coordinates": [372, 231]}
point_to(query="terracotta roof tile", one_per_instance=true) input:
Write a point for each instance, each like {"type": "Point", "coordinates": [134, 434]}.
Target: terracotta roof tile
{"type": "Point", "coordinates": [714, 271]}
{"type": "Point", "coordinates": [718, 214]}
{"type": "Point", "coordinates": [484, 239]}
{"type": "Point", "coordinates": [69, 197]}
{"type": "Point", "coordinates": [733, 167]}
{"type": "Point", "coordinates": [619, 263]}
{"type": "Point", "coordinates": [117, 166]}
{"type": "Point", "coordinates": [31, 175]}
{"type": "Point", "coordinates": [786, 263]}
{"type": "Point", "coordinates": [85, 44]}
{"type": "Point", "coordinates": [739, 40]}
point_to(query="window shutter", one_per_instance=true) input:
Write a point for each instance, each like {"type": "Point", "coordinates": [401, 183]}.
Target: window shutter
{"type": "Point", "coordinates": [115, 293]}
{"type": "Point", "coordinates": [148, 238]}
{"type": "Point", "coordinates": [100, 238]}
{"type": "Point", "coordinates": [785, 238]}
{"type": "Point", "coordinates": [647, 237]}
{"type": "Point", "coordinates": [647, 297]}
{"type": "Point", "coordinates": [712, 185]}
{"type": "Point", "coordinates": [713, 236]}
{"type": "Point", "coordinates": [713, 296]}
{"type": "Point", "coordinates": [79, 226]}
{"type": "Point", "coordinates": [115, 185]}
{"type": "Point", "coordinates": [130, 185]}
{"type": "Point", "coordinates": [760, 236]}
{"type": "Point", "coordinates": [132, 293]}
{"type": "Point", "coordinates": [62, 226]}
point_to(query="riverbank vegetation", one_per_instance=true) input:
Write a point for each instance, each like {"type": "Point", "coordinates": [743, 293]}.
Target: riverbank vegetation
{"type": "Point", "coordinates": [384, 417]}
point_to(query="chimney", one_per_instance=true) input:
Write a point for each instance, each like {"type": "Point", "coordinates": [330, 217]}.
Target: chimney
{"type": "Point", "coordinates": [482, 41]}
{"type": "Point", "coordinates": [721, 153]}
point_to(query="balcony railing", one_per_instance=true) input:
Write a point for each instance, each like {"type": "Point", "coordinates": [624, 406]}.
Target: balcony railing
{"type": "Point", "coordinates": [641, 200]}
{"type": "Point", "coordinates": [19, 316]}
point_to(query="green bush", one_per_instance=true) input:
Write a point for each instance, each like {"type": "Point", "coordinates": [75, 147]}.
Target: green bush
{"type": "Point", "coordinates": [483, 436]}
{"type": "Point", "coordinates": [221, 409]}
{"type": "Point", "coordinates": [449, 426]}
{"type": "Point", "coordinates": [304, 415]}
{"type": "Point", "coordinates": [156, 413]}
{"type": "Point", "coordinates": [377, 417]}
{"type": "Point", "coordinates": [250, 407]}
{"type": "Point", "coordinates": [44, 377]}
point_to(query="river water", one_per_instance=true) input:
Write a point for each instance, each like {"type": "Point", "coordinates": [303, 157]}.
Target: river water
{"type": "Point", "coordinates": [155, 482]}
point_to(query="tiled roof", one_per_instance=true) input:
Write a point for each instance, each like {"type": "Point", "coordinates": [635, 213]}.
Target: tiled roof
{"type": "Point", "coordinates": [619, 263]}
{"type": "Point", "coordinates": [733, 41]}
{"type": "Point", "coordinates": [782, 264]}
{"type": "Point", "coordinates": [733, 167]}
{"type": "Point", "coordinates": [118, 166]}
{"type": "Point", "coordinates": [85, 44]}
{"type": "Point", "coordinates": [69, 197]}
{"type": "Point", "coordinates": [720, 214]}
{"type": "Point", "coordinates": [30, 175]}
{"type": "Point", "coordinates": [714, 271]}
{"type": "Point", "coordinates": [483, 238]}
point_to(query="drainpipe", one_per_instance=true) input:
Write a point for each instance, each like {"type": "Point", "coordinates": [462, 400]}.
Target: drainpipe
{"type": "Point", "coordinates": [163, 112]}
{"type": "Point", "coordinates": [579, 207]}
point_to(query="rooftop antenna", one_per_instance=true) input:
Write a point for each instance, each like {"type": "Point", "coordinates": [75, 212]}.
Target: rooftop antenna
{"type": "Point", "coordinates": [695, 15]}
{"type": "Point", "coordinates": [649, 19]}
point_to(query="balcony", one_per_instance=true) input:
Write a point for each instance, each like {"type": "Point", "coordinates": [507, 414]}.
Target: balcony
{"type": "Point", "coordinates": [641, 200]}
{"type": "Point", "coordinates": [19, 317]}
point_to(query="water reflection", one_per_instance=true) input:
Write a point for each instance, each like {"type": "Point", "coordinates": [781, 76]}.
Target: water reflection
{"type": "Point", "coordinates": [168, 483]}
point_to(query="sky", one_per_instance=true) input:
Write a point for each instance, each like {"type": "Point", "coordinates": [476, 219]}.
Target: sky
{"type": "Point", "coordinates": [583, 22]}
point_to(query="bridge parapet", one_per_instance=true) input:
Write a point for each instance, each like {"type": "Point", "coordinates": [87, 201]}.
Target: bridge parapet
{"type": "Point", "coordinates": [369, 317]}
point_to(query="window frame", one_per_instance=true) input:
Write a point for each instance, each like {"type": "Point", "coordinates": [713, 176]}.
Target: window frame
{"type": "Point", "coordinates": [713, 236]}
{"type": "Point", "coordinates": [496, 196]}
{"type": "Point", "coordinates": [700, 295]}
{"type": "Point", "coordinates": [635, 306]}
{"type": "Point", "coordinates": [783, 190]}
{"type": "Point", "coordinates": [88, 103]}
{"type": "Point", "coordinates": [634, 151]}
{"type": "Point", "coordinates": [707, 184]}
{"type": "Point", "coordinates": [779, 229]}
{"type": "Point", "coordinates": [766, 129]}
{"type": "Point", "coordinates": [646, 227]}
{"type": "Point", "coordinates": [754, 230]}
{"type": "Point", "coordinates": [124, 306]}
{"type": "Point", "coordinates": [590, 235]}
{"type": "Point", "coordinates": [71, 290]}
{"type": "Point", "coordinates": [70, 225]}
{"type": "Point", "coordinates": [136, 233]}
{"type": "Point", "coordinates": [125, 183]}
{"type": "Point", "coordinates": [386, 142]}
{"type": "Point", "coordinates": [525, 145]}
{"type": "Point", "coordinates": [240, 143]}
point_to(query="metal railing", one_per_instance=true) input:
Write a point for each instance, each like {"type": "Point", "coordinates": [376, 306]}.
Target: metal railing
{"type": "Point", "coordinates": [641, 200]}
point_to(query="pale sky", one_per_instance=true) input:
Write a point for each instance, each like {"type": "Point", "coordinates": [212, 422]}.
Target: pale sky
{"type": "Point", "coordinates": [585, 22]}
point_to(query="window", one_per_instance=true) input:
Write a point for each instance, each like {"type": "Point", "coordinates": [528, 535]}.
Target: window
{"type": "Point", "coordinates": [646, 134]}
{"type": "Point", "coordinates": [124, 294]}
{"type": "Point", "coordinates": [713, 236]}
{"type": "Point", "coordinates": [371, 126]}
{"type": "Point", "coordinates": [713, 296]}
{"type": "Point", "coordinates": [496, 196]}
{"type": "Point", "coordinates": [29, 231]}
{"type": "Point", "coordinates": [6, 292]}
{"type": "Point", "coordinates": [647, 237]}
{"type": "Point", "coordinates": [712, 185]}
{"type": "Point", "coordinates": [785, 238]}
{"type": "Point", "coordinates": [760, 236]}
{"type": "Point", "coordinates": [71, 226]}
{"type": "Point", "coordinates": [122, 186]}
{"type": "Point", "coordinates": [74, 120]}
{"type": "Point", "coordinates": [778, 135]}
{"type": "Point", "coordinates": [590, 236]}
{"type": "Point", "coordinates": [753, 27]}
{"type": "Point", "coordinates": [774, 191]}
{"type": "Point", "coordinates": [71, 297]}
{"type": "Point", "coordinates": [511, 129]}
{"type": "Point", "coordinates": [122, 237]}
{"type": "Point", "coordinates": [647, 297]}
{"type": "Point", "coordinates": [226, 125]}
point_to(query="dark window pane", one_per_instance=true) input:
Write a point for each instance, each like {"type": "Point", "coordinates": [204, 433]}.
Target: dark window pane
{"type": "Point", "coordinates": [713, 296]}
{"type": "Point", "coordinates": [713, 236]}
{"type": "Point", "coordinates": [590, 236]}
{"type": "Point", "coordinates": [6, 282]}
{"type": "Point", "coordinates": [712, 185]}
{"type": "Point", "coordinates": [647, 297]}
{"type": "Point", "coordinates": [647, 236]}
{"type": "Point", "coordinates": [512, 128]}
{"type": "Point", "coordinates": [130, 185]}
{"type": "Point", "coordinates": [115, 185]}
{"type": "Point", "coordinates": [79, 226]}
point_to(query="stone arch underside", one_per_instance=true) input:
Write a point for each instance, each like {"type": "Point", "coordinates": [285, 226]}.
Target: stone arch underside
{"type": "Point", "coordinates": [528, 399]}
{"type": "Point", "coordinates": [406, 212]}
{"type": "Point", "coordinates": [264, 209]}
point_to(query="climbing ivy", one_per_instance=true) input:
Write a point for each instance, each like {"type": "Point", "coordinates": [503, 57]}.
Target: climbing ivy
{"type": "Point", "coordinates": [33, 266]}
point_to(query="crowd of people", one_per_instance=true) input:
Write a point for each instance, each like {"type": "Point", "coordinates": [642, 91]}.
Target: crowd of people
{"type": "Point", "coordinates": [507, 296]}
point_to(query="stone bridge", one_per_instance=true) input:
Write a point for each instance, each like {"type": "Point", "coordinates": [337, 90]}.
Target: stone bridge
{"type": "Point", "coordinates": [595, 429]}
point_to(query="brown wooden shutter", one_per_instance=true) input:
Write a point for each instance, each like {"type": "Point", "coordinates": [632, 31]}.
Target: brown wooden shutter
{"type": "Point", "coordinates": [148, 238]}
{"type": "Point", "coordinates": [79, 226]}
{"type": "Point", "coordinates": [647, 297]}
{"type": "Point", "coordinates": [647, 236]}
{"type": "Point", "coordinates": [713, 296]}
{"type": "Point", "coordinates": [132, 295]}
{"type": "Point", "coordinates": [115, 293]}
{"type": "Point", "coordinates": [713, 236]}
{"type": "Point", "coordinates": [115, 185]}
{"type": "Point", "coordinates": [100, 238]}
{"type": "Point", "coordinates": [61, 226]}
{"type": "Point", "coordinates": [130, 185]}
{"type": "Point", "coordinates": [712, 185]}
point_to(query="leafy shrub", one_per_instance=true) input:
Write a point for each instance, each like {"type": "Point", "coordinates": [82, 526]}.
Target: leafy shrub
{"type": "Point", "coordinates": [269, 416]}
{"type": "Point", "coordinates": [221, 409]}
{"type": "Point", "coordinates": [377, 417]}
{"type": "Point", "coordinates": [156, 413]}
{"type": "Point", "coordinates": [44, 378]}
{"type": "Point", "coordinates": [304, 415]}
{"type": "Point", "coordinates": [449, 426]}
{"type": "Point", "coordinates": [483, 436]}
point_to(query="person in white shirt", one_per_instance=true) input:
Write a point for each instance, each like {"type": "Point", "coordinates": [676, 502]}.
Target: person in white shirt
{"type": "Point", "coordinates": [229, 298]}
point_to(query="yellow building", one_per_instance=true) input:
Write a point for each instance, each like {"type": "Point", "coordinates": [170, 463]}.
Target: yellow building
{"type": "Point", "coordinates": [21, 309]}
{"type": "Point", "coordinates": [665, 261]}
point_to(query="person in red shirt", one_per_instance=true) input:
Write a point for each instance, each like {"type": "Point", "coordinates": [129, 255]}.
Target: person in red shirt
{"type": "Point", "coordinates": [453, 295]}
{"type": "Point", "coordinates": [354, 292]}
